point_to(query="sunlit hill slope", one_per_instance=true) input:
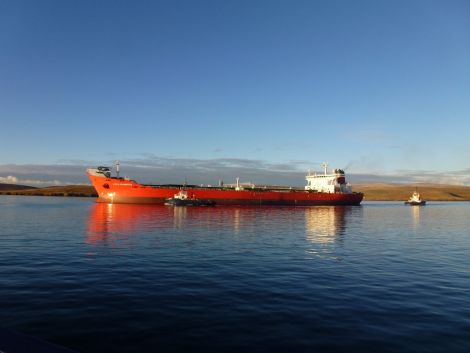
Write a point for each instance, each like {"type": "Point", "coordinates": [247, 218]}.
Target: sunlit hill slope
{"type": "Point", "coordinates": [372, 192]}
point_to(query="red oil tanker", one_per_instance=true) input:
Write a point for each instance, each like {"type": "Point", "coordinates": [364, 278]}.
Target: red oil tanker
{"type": "Point", "coordinates": [321, 189]}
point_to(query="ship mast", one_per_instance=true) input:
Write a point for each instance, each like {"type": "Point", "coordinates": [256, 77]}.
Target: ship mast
{"type": "Point", "coordinates": [325, 167]}
{"type": "Point", "coordinates": [117, 168]}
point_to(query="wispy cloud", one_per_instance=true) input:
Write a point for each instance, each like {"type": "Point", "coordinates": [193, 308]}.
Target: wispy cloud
{"type": "Point", "coordinates": [156, 169]}
{"type": "Point", "coordinates": [149, 168]}
{"type": "Point", "coordinates": [42, 175]}
{"type": "Point", "coordinates": [10, 179]}
{"type": "Point", "coordinates": [459, 177]}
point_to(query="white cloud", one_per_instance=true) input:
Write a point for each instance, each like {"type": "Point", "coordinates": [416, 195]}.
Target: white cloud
{"type": "Point", "coordinates": [10, 179]}
{"type": "Point", "coordinates": [42, 182]}
{"type": "Point", "coordinates": [161, 170]}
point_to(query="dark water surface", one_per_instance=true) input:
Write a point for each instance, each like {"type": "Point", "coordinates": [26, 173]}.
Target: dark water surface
{"type": "Point", "coordinates": [381, 277]}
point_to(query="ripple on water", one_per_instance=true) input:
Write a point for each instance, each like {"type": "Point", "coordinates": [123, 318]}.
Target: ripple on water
{"type": "Point", "coordinates": [93, 277]}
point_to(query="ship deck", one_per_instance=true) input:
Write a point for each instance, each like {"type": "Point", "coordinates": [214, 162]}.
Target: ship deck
{"type": "Point", "coordinates": [258, 188]}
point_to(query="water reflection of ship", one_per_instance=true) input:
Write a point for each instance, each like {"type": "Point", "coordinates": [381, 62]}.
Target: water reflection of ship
{"type": "Point", "coordinates": [416, 211]}
{"type": "Point", "coordinates": [111, 222]}
{"type": "Point", "coordinates": [114, 222]}
{"type": "Point", "coordinates": [326, 224]}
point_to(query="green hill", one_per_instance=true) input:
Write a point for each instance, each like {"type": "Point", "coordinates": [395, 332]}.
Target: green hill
{"type": "Point", "coordinates": [67, 190]}
{"type": "Point", "coordinates": [401, 192]}
{"type": "Point", "coordinates": [6, 187]}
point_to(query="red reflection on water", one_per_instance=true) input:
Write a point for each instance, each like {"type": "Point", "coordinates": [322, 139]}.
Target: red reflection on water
{"type": "Point", "coordinates": [107, 220]}
{"type": "Point", "coordinates": [112, 223]}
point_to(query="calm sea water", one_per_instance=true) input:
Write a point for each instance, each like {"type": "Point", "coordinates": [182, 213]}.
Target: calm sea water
{"type": "Point", "coordinates": [381, 277]}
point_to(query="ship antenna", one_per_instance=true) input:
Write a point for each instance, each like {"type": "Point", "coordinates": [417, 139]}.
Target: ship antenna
{"type": "Point", "coordinates": [325, 166]}
{"type": "Point", "coordinates": [117, 169]}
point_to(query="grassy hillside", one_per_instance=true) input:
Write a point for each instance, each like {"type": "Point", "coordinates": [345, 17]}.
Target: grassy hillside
{"type": "Point", "coordinates": [400, 192]}
{"type": "Point", "coordinates": [6, 187]}
{"type": "Point", "coordinates": [67, 190]}
{"type": "Point", "coordinates": [372, 192]}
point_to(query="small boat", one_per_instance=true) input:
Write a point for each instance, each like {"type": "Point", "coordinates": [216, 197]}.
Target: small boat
{"type": "Point", "coordinates": [415, 200]}
{"type": "Point", "coordinates": [181, 199]}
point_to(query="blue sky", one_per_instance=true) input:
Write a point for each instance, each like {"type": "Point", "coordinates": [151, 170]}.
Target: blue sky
{"type": "Point", "coordinates": [379, 87]}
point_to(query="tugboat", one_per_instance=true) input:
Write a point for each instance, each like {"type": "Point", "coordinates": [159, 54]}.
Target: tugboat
{"type": "Point", "coordinates": [415, 200]}
{"type": "Point", "coordinates": [181, 199]}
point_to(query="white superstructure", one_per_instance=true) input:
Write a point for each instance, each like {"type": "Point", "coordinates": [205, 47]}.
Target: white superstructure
{"type": "Point", "coordinates": [415, 198]}
{"type": "Point", "coordinates": [332, 183]}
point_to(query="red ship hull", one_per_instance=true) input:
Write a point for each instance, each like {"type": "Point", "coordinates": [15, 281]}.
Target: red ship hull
{"type": "Point", "coordinates": [118, 190]}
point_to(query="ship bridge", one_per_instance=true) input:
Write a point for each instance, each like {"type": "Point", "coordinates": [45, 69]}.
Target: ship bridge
{"type": "Point", "coordinates": [328, 182]}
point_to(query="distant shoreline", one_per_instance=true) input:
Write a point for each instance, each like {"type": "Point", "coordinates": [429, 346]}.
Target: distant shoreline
{"type": "Point", "coordinates": [57, 194]}
{"type": "Point", "coordinates": [401, 192]}
{"type": "Point", "coordinates": [60, 191]}
{"type": "Point", "coordinates": [372, 192]}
